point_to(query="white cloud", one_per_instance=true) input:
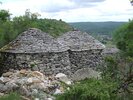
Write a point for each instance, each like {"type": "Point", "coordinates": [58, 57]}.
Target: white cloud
{"type": "Point", "coordinates": [57, 6]}
{"type": "Point", "coordinates": [73, 10]}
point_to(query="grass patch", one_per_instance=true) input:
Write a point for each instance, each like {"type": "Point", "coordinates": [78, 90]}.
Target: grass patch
{"type": "Point", "coordinates": [11, 96]}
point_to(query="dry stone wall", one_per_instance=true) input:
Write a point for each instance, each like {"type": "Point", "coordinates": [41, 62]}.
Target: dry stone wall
{"type": "Point", "coordinates": [67, 62]}
{"type": "Point", "coordinates": [48, 63]}
{"type": "Point", "coordinates": [84, 59]}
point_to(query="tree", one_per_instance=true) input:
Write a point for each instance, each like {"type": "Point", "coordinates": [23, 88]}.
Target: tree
{"type": "Point", "coordinates": [4, 15]}
{"type": "Point", "coordinates": [124, 38]}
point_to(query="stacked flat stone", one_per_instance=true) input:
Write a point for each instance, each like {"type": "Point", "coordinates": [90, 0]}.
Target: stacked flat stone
{"type": "Point", "coordinates": [37, 50]}
{"type": "Point", "coordinates": [33, 41]}
{"type": "Point", "coordinates": [84, 50]}
{"type": "Point", "coordinates": [79, 41]}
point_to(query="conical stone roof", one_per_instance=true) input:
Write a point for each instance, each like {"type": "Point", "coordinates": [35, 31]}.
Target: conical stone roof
{"type": "Point", "coordinates": [78, 41]}
{"type": "Point", "coordinates": [33, 41]}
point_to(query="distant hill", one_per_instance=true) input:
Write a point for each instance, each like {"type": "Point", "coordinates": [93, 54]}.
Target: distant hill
{"type": "Point", "coordinates": [101, 28]}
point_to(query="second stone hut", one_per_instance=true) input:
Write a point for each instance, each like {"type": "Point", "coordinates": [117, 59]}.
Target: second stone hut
{"type": "Point", "coordinates": [84, 50]}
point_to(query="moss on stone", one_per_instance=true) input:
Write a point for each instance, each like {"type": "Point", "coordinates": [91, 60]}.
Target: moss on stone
{"type": "Point", "coordinates": [8, 47]}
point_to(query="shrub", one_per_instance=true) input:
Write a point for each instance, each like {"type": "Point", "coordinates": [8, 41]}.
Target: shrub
{"type": "Point", "coordinates": [124, 38]}
{"type": "Point", "coordinates": [90, 89]}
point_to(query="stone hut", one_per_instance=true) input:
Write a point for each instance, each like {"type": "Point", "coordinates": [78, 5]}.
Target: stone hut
{"type": "Point", "coordinates": [37, 50]}
{"type": "Point", "coordinates": [84, 50]}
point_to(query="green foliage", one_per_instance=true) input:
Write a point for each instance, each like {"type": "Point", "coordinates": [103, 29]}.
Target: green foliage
{"type": "Point", "coordinates": [111, 68]}
{"type": "Point", "coordinates": [90, 89]}
{"type": "Point", "coordinates": [124, 38]}
{"type": "Point", "coordinates": [33, 64]}
{"type": "Point", "coordinates": [52, 26]}
{"type": "Point", "coordinates": [9, 29]}
{"type": "Point", "coordinates": [4, 15]}
{"type": "Point", "coordinates": [11, 96]}
{"type": "Point", "coordinates": [116, 82]}
{"type": "Point", "coordinates": [120, 69]}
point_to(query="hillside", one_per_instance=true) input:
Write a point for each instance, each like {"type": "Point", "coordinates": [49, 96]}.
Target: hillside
{"type": "Point", "coordinates": [10, 29]}
{"type": "Point", "coordinates": [103, 28]}
{"type": "Point", "coordinates": [53, 27]}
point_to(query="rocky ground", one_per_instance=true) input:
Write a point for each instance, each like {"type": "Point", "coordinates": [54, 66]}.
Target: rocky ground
{"type": "Point", "coordinates": [32, 85]}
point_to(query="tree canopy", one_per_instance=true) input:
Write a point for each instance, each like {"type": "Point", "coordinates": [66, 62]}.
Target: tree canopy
{"type": "Point", "coordinates": [10, 28]}
{"type": "Point", "coordinates": [124, 38]}
{"type": "Point", "coordinates": [4, 15]}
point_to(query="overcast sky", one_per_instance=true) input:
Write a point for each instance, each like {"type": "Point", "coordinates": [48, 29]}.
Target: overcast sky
{"type": "Point", "coordinates": [73, 10]}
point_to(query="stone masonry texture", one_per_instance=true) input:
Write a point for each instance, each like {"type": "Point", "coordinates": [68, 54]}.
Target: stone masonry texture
{"type": "Point", "coordinates": [37, 50]}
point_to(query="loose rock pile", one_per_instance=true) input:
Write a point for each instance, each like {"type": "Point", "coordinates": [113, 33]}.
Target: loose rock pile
{"type": "Point", "coordinates": [32, 84]}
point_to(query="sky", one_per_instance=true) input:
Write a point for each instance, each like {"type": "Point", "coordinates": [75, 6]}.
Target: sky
{"type": "Point", "coordinates": [73, 10]}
